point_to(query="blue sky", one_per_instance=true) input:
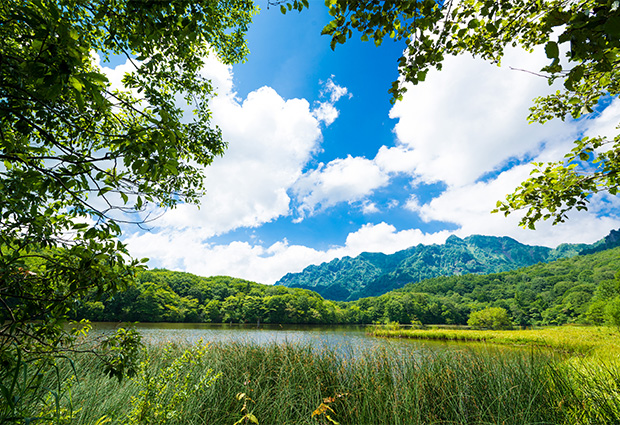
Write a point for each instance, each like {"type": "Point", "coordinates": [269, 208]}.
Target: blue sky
{"type": "Point", "coordinates": [320, 165]}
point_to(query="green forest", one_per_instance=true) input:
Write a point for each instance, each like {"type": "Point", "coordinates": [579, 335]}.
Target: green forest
{"type": "Point", "coordinates": [582, 289]}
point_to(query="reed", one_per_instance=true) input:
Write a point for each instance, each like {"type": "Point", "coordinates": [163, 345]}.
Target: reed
{"type": "Point", "coordinates": [303, 384]}
{"type": "Point", "coordinates": [600, 342]}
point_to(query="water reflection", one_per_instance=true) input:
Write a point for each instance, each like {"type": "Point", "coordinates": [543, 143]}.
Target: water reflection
{"type": "Point", "coordinates": [349, 340]}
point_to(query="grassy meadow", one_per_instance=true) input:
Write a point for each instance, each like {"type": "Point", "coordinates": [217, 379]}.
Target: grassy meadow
{"type": "Point", "coordinates": [243, 383]}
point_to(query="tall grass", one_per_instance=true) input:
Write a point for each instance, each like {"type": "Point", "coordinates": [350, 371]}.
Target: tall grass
{"type": "Point", "coordinates": [599, 342]}
{"type": "Point", "coordinates": [303, 384]}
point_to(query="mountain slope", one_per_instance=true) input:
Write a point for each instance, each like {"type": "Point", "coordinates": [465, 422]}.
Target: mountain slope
{"type": "Point", "coordinates": [372, 274]}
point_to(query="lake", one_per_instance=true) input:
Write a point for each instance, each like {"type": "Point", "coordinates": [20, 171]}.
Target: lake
{"type": "Point", "coordinates": [349, 339]}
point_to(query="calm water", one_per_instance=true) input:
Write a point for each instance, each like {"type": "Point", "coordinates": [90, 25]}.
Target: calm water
{"type": "Point", "coordinates": [348, 339]}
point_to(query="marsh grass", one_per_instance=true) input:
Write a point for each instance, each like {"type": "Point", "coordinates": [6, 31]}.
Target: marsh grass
{"type": "Point", "coordinates": [598, 342]}
{"type": "Point", "coordinates": [287, 383]}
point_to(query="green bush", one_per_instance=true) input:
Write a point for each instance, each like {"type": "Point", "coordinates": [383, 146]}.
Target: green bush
{"type": "Point", "coordinates": [490, 318]}
{"type": "Point", "coordinates": [612, 312]}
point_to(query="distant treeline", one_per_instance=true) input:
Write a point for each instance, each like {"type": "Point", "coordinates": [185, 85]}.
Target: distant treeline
{"type": "Point", "coordinates": [575, 290]}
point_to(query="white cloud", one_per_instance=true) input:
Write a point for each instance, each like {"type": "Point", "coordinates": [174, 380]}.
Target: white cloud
{"type": "Point", "coordinates": [341, 180]}
{"type": "Point", "coordinates": [413, 204]}
{"type": "Point", "coordinates": [270, 140]}
{"type": "Point", "coordinates": [187, 251]}
{"type": "Point", "coordinates": [470, 208]}
{"type": "Point", "coordinates": [325, 112]}
{"type": "Point", "coordinates": [369, 207]}
{"type": "Point", "coordinates": [469, 120]}
{"type": "Point", "coordinates": [334, 91]}
{"type": "Point", "coordinates": [115, 75]}
{"type": "Point", "coordinates": [470, 117]}
{"type": "Point", "coordinates": [397, 159]}
{"type": "Point", "coordinates": [385, 238]}
{"type": "Point", "coordinates": [462, 123]}
{"type": "Point", "coordinates": [606, 123]}
{"type": "Point", "coordinates": [220, 75]}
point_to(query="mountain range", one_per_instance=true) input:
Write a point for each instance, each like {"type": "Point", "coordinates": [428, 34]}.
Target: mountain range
{"type": "Point", "coordinates": [373, 274]}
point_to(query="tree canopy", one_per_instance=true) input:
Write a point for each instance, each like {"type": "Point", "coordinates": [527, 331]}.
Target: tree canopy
{"type": "Point", "coordinates": [582, 289]}
{"type": "Point", "coordinates": [80, 156]}
{"type": "Point", "coordinates": [581, 40]}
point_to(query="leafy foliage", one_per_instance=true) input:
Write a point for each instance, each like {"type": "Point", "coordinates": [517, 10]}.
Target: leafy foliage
{"type": "Point", "coordinates": [581, 40]}
{"type": "Point", "coordinates": [79, 156]}
{"type": "Point", "coordinates": [166, 296]}
{"type": "Point", "coordinates": [286, 5]}
{"type": "Point", "coordinates": [164, 391]}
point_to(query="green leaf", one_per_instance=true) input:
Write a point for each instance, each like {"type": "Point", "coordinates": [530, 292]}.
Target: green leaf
{"type": "Point", "coordinates": [552, 50]}
{"type": "Point", "coordinates": [80, 101]}
{"type": "Point", "coordinates": [472, 24]}
{"type": "Point", "coordinates": [97, 77]}
{"type": "Point", "coordinates": [490, 27]}
{"type": "Point", "coordinates": [104, 190]}
{"type": "Point", "coordinates": [612, 26]}
{"type": "Point", "coordinates": [76, 84]}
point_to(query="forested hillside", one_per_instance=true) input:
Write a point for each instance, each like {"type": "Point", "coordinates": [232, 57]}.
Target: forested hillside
{"type": "Point", "coordinates": [581, 289]}
{"type": "Point", "coordinates": [577, 289]}
{"type": "Point", "coordinates": [167, 296]}
{"type": "Point", "coordinates": [373, 274]}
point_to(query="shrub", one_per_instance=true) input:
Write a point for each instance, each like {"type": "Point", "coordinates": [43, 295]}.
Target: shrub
{"type": "Point", "coordinates": [490, 318]}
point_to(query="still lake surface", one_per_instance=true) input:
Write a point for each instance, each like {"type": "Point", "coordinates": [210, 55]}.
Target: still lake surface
{"type": "Point", "coordinates": [350, 340]}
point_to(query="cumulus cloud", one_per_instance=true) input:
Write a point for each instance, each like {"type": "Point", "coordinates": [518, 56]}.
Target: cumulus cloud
{"type": "Point", "coordinates": [469, 121]}
{"type": "Point", "coordinates": [369, 207]}
{"type": "Point", "coordinates": [334, 91]}
{"type": "Point", "coordinates": [188, 251]}
{"type": "Point", "coordinates": [325, 111]}
{"type": "Point", "coordinates": [398, 159]}
{"type": "Point", "coordinates": [270, 140]}
{"type": "Point", "coordinates": [461, 124]}
{"type": "Point", "coordinates": [115, 75]}
{"type": "Point", "coordinates": [341, 180]}
{"type": "Point", "coordinates": [413, 204]}
{"type": "Point", "coordinates": [470, 208]}
{"type": "Point", "coordinates": [606, 123]}
{"type": "Point", "coordinates": [385, 238]}
{"type": "Point", "coordinates": [471, 117]}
